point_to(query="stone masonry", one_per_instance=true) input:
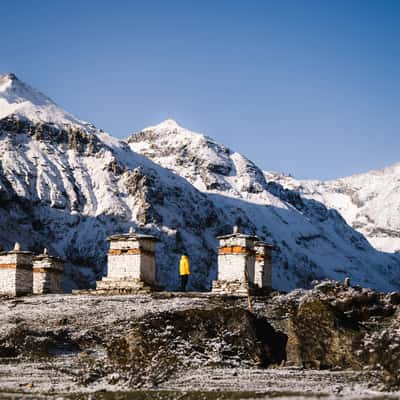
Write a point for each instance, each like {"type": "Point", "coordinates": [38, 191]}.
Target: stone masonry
{"type": "Point", "coordinates": [16, 276]}
{"type": "Point", "coordinates": [131, 264]}
{"type": "Point", "coordinates": [47, 274]}
{"type": "Point", "coordinates": [244, 264]}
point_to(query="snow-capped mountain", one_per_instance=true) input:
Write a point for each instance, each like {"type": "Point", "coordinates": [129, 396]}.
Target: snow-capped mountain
{"type": "Point", "coordinates": [18, 98]}
{"type": "Point", "coordinates": [369, 202]}
{"type": "Point", "coordinates": [66, 185]}
{"type": "Point", "coordinates": [311, 241]}
{"type": "Point", "coordinates": [198, 158]}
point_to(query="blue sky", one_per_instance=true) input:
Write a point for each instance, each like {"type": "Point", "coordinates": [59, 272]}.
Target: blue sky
{"type": "Point", "coordinates": [310, 88]}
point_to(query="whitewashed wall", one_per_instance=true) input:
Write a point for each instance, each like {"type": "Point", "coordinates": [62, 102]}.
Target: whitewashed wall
{"type": "Point", "coordinates": [7, 281]}
{"type": "Point", "coordinates": [124, 244]}
{"type": "Point", "coordinates": [51, 279]}
{"type": "Point", "coordinates": [18, 278]}
{"type": "Point", "coordinates": [124, 266]}
{"type": "Point", "coordinates": [132, 266]}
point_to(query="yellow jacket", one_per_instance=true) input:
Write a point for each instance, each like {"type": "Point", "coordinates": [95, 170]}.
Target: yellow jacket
{"type": "Point", "coordinates": [184, 266]}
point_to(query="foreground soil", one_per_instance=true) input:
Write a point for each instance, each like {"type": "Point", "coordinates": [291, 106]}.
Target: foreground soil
{"type": "Point", "coordinates": [329, 342]}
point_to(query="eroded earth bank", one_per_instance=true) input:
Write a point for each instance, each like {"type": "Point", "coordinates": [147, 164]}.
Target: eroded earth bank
{"type": "Point", "coordinates": [331, 341]}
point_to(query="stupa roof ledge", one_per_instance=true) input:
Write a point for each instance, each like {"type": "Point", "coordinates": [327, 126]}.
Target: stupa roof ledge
{"type": "Point", "coordinates": [3, 253]}
{"type": "Point", "coordinates": [130, 236]}
{"type": "Point", "coordinates": [238, 235]}
{"type": "Point", "coordinates": [264, 244]}
{"type": "Point", "coordinates": [48, 256]}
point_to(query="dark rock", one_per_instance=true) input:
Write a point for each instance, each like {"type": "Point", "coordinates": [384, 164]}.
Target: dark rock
{"type": "Point", "coordinates": [394, 298]}
{"type": "Point", "coordinates": [337, 327]}
{"type": "Point", "coordinates": [320, 337]}
{"type": "Point", "coordinates": [32, 344]}
{"type": "Point", "coordinates": [166, 342]}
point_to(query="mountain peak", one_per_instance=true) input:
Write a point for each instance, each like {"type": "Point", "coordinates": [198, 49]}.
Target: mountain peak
{"type": "Point", "coordinates": [15, 91]}
{"type": "Point", "coordinates": [18, 98]}
{"type": "Point", "coordinates": [6, 81]}
{"type": "Point", "coordinates": [170, 127]}
{"type": "Point", "coordinates": [8, 77]}
{"type": "Point", "coordinates": [168, 123]}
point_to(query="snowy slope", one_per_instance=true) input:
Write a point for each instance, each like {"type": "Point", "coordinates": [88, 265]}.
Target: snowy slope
{"type": "Point", "coordinates": [369, 202]}
{"type": "Point", "coordinates": [66, 185]}
{"type": "Point", "coordinates": [212, 166]}
{"type": "Point", "coordinates": [18, 98]}
{"type": "Point", "coordinates": [312, 242]}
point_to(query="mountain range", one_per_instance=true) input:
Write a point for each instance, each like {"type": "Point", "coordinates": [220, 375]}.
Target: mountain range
{"type": "Point", "coordinates": [66, 185]}
{"type": "Point", "coordinates": [369, 202]}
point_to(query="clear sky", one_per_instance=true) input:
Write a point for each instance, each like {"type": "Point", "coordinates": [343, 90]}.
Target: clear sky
{"type": "Point", "coordinates": [310, 88]}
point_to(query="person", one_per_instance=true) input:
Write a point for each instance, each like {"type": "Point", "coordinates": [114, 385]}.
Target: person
{"type": "Point", "coordinates": [184, 271]}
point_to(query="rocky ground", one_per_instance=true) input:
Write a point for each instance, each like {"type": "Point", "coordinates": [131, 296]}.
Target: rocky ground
{"type": "Point", "coordinates": [332, 341]}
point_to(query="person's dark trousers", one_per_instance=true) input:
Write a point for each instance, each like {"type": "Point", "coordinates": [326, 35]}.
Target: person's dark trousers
{"type": "Point", "coordinates": [184, 281]}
